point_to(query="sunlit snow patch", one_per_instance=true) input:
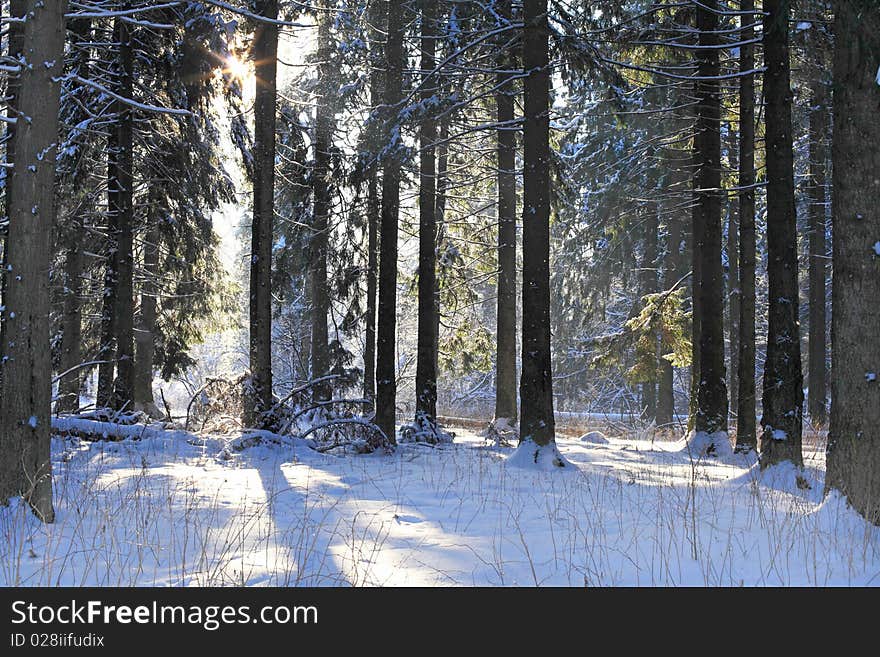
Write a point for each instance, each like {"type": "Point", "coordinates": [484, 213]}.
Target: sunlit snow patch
{"type": "Point", "coordinates": [542, 457]}
{"type": "Point", "coordinates": [700, 443]}
{"type": "Point", "coordinates": [790, 478]}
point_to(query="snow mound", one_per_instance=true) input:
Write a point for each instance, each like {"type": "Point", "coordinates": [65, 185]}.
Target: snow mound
{"type": "Point", "coordinates": [784, 477]}
{"type": "Point", "coordinates": [836, 513]}
{"type": "Point", "coordinates": [700, 444]}
{"type": "Point", "coordinates": [790, 478]}
{"type": "Point", "coordinates": [538, 457]}
{"type": "Point", "coordinates": [595, 437]}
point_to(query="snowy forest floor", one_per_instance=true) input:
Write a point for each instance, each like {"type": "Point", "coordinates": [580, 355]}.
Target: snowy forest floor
{"type": "Point", "coordinates": [178, 509]}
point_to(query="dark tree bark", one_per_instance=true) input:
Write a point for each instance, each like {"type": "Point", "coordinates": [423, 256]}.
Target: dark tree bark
{"type": "Point", "coordinates": [694, 250]}
{"type": "Point", "coordinates": [71, 330]}
{"type": "Point", "coordinates": [145, 334]}
{"type": "Point", "coordinates": [107, 345]}
{"type": "Point", "coordinates": [377, 18]}
{"type": "Point", "coordinates": [428, 290]}
{"type": "Point", "coordinates": [783, 382]}
{"type": "Point", "coordinates": [116, 351]}
{"type": "Point", "coordinates": [818, 269]}
{"type": "Point", "coordinates": [372, 266]}
{"type": "Point", "coordinates": [265, 53]}
{"type": "Point", "coordinates": [711, 415]}
{"type": "Point", "coordinates": [537, 423]}
{"type": "Point", "coordinates": [15, 44]}
{"type": "Point", "coordinates": [732, 203]}
{"type": "Point", "coordinates": [121, 210]}
{"type": "Point", "coordinates": [746, 438]}
{"type": "Point", "coordinates": [854, 435]}
{"type": "Point", "coordinates": [648, 285]}
{"type": "Point", "coordinates": [107, 342]}
{"type": "Point", "coordinates": [386, 341]}
{"type": "Point", "coordinates": [319, 365]}
{"type": "Point", "coordinates": [70, 384]}
{"type": "Point", "coordinates": [26, 389]}
{"type": "Point", "coordinates": [505, 356]}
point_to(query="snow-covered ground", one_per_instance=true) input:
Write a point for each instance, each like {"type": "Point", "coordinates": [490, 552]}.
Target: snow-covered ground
{"type": "Point", "coordinates": [176, 509]}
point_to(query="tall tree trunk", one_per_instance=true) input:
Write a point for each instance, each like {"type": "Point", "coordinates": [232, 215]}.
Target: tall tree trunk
{"type": "Point", "coordinates": [505, 376]}
{"type": "Point", "coordinates": [319, 365]}
{"type": "Point", "coordinates": [107, 340]}
{"type": "Point", "coordinates": [386, 340]}
{"type": "Point", "coordinates": [145, 334]}
{"type": "Point", "coordinates": [265, 51]}
{"type": "Point", "coordinates": [377, 17]}
{"type": "Point", "coordinates": [783, 382]}
{"type": "Point", "coordinates": [26, 390]}
{"type": "Point", "coordinates": [746, 438]}
{"type": "Point", "coordinates": [15, 45]}
{"type": "Point", "coordinates": [70, 384]}
{"type": "Point", "coordinates": [372, 266]}
{"type": "Point", "coordinates": [71, 329]}
{"type": "Point", "coordinates": [854, 435]}
{"type": "Point", "coordinates": [818, 257]}
{"type": "Point", "coordinates": [537, 422]}
{"type": "Point", "coordinates": [428, 291]}
{"type": "Point", "coordinates": [711, 416]}
{"type": "Point", "coordinates": [123, 211]}
{"type": "Point", "coordinates": [107, 343]}
{"type": "Point", "coordinates": [648, 285]}
{"type": "Point", "coordinates": [732, 203]}
{"type": "Point", "coordinates": [694, 250]}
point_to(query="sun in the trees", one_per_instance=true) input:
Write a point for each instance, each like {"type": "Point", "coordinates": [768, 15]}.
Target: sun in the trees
{"type": "Point", "coordinates": [236, 68]}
